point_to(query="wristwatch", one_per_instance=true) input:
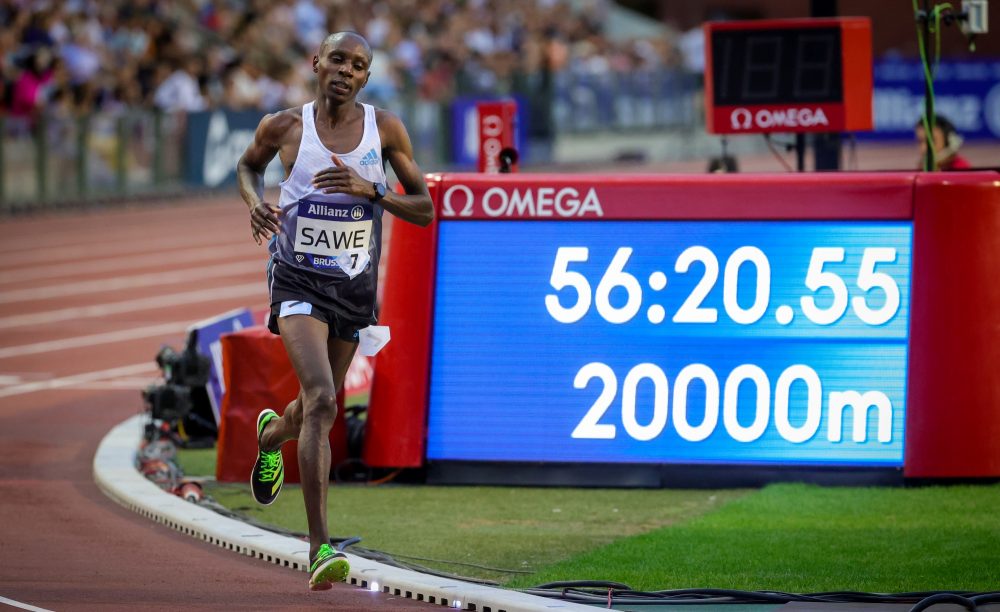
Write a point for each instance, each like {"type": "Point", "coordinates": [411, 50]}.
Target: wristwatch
{"type": "Point", "coordinates": [379, 191]}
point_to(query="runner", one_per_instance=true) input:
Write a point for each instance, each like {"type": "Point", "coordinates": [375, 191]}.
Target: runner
{"type": "Point", "coordinates": [325, 241]}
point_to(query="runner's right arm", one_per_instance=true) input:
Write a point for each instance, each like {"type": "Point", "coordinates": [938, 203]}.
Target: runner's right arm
{"type": "Point", "coordinates": [250, 176]}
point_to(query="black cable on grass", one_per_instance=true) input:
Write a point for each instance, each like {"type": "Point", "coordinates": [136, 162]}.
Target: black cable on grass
{"type": "Point", "coordinates": [986, 598]}
{"type": "Point", "coordinates": [577, 584]}
{"type": "Point", "coordinates": [597, 593]}
{"type": "Point", "coordinates": [466, 564]}
{"type": "Point", "coordinates": [940, 598]}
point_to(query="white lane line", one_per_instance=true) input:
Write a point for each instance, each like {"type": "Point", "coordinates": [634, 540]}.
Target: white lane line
{"type": "Point", "coordinates": [147, 303]}
{"type": "Point", "coordinates": [85, 239]}
{"type": "Point", "coordinates": [80, 232]}
{"type": "Point", "coordinates": [77, 379]}
{"type": "Point", "coordinates": [135, 333]}
{"type": "Point", "coordinates": [124, 248]}
{"type": "Point", "coordinates": [130, 282]}
{"type": "Point", "coordinates": [23, 606]}
{"type": "Point", "coordinates": [9, 379]}
{"type": "Point", "coordinates": [115, 264]}
{"type": "Point", "coordinates": [117, 384]}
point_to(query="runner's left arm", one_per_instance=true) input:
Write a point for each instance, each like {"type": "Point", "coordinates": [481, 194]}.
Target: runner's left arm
{"type": "Point", "coordinates": [415, 205]}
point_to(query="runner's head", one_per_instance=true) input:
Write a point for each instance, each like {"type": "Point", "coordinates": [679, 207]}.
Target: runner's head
{"type": "Point", "coordinates": [342, 65]}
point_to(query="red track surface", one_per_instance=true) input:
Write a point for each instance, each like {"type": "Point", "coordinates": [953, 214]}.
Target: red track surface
{"type": "Point", "coordinates": [86, 301]}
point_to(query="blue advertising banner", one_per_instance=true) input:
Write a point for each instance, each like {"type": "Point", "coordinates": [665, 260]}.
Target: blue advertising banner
{"type": "Point", "coordinates": [465, 129]}
{"type": "Point", "coordinates": [207, 335]}
{"type": "Point", "coordinates": [214, 142]}
{"type": "Point", "coordinates": [966, 92]}
{"type": "Point", "coordinates": [781, 342]}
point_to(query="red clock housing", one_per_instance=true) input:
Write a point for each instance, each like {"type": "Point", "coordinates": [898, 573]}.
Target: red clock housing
{"type": "Point", "coordinates": [788, 75]}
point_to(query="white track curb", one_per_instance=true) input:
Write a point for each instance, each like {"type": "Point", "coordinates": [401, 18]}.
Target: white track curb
{"type": "Point", "coordinates": [116, 474]}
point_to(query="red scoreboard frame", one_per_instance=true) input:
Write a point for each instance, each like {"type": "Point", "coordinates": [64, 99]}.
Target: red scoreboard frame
{"type": "Point", "coordinates": [851, 111]}
{"type": "Point", "coordinates": [951, 421]}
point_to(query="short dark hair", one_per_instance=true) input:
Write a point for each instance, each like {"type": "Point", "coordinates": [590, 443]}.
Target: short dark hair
{"type": "Point", "coordinates": [333, 37]}
{"type": "Point", "coordinates": [724, 163]}
{"type": "Point", "coordinates": [939, 121]}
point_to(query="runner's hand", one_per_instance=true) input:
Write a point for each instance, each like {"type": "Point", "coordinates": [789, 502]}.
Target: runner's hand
{"type": "Point", "coordinates": [264, 221]}
{"type": "Point", "coordinates": [341, 179]}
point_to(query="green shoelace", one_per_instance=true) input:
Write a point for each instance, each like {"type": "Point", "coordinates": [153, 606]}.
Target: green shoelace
{"type": "Point", "coordinates": [270, 464]}
{"type": "Point", "coordinates": [324, 552]}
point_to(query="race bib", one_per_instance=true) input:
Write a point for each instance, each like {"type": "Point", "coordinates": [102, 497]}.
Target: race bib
{"type": "Point", "coordinates": [333, 235]}
{"type": "Point", "coordinates": [354, 261]}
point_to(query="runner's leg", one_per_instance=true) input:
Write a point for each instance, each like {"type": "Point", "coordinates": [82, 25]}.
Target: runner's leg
{"type": "Point", "coordinates": [288, 426]}
{"type": "Point", "coordinates": [284, 428]}
{"type": "Point", "coordinates": [341, 352]}
{"type": "Point", "coordinates": [306, 342]}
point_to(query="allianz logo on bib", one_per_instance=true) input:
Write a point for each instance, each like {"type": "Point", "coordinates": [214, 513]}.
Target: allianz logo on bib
{"type": "Point", "coordinates": [370, 158]}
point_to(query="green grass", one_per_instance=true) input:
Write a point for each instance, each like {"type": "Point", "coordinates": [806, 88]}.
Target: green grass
{"type": "Point", "coordinates": [802, 538]}
{"type": "Point", "coordinates": [509, 528]}
{"type": "Point", "coordinates": [197, 462]}
{"type": "Point", "coordinates": [795, 538]}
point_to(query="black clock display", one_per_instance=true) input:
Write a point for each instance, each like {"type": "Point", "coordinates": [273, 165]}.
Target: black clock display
{"type": "Point", "coordinates": [777, 66]}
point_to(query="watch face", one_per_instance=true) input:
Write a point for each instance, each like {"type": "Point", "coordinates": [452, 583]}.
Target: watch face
{"type": "Point", "coordinates": [379, 191]}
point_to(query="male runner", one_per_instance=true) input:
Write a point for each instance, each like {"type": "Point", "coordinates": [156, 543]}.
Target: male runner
{"type": "Point", "coordinates": [325, 240]}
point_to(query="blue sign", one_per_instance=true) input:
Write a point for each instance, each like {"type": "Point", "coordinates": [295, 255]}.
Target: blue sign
{"type": "Point", "coordinates": [465, 130]}
{"type": "Point", "coordinates": [214, 143]}
{"type": "Point", "coordinates": [775, 342]}
{"type": "Point", "coordinates": [207, 335]}
{"type": "Point", "coordinates": [966, 92]}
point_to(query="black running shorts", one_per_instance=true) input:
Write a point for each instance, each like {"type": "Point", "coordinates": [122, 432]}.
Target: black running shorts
{"type": "Point", "coordinates": [345, 305]}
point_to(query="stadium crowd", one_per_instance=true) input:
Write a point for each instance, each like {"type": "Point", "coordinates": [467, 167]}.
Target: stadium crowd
{"type": "Point", "coordinates": [77, 56]}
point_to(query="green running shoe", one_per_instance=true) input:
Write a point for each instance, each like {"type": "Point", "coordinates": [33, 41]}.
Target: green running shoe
{"type": "Point", "coordinates": [269, 470]}
{"type": "Point", "coordinates": [330, 566]}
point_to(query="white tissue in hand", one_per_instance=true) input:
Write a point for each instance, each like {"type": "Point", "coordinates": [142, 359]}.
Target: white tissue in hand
{"type": "Point", "coordinates": [353, 261]}
{"type": "Point", "coordinates": [372, 339]}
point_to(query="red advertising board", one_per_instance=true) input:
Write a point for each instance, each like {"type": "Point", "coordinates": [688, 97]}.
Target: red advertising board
{"type": "Point", "coordinates": [497, 131]}
{"type": "Point", "coordinates": [596, 197]}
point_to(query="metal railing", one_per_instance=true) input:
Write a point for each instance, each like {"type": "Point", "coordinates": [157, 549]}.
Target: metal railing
{"type": "Point", "coordinates": [643, 100]}
{"type": "Point", "coordinates": [53, 160]}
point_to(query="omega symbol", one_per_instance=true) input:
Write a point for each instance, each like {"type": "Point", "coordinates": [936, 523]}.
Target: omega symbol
{"type": "Point", "coordinates": [741, 118]}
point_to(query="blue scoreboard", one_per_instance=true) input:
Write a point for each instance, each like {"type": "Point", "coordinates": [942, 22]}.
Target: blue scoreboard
{"type": "Point", "coordinates": [670, 341]}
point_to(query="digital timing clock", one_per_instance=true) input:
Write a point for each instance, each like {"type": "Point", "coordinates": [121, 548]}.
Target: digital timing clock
{"type": "Point", "coordinates": [630, 330]}
{"type": "Point", "coordinates": [671, 341]}
{"type": "Point", "coordinates": [788, 75]}
{"type": "Point", "coordinates": [617, 321]}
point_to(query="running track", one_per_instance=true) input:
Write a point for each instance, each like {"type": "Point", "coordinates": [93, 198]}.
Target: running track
{"type": "Point", "coordinates": [86, 301]}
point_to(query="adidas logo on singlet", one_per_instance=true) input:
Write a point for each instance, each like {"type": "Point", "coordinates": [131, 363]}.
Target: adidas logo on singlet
{"type": "Point", "coordinates": [370, 158]}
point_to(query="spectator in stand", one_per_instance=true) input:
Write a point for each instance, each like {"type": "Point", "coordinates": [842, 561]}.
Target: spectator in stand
{"type": "Point", "coordinates": [180, 90]}
{"type": "Point", "coordinates": [36, 32]}
{"type": "Point", "coordinates": [434, 49]}
{"type": "Point", "coordinates": [309, 23]}
{"type": "Point", "coordinates": [242, 91]}
{"type": "Point", "coordinates": [27, 93]}
{"type": "Point", "coordinates": [947, 141]}
{"type": "Point", "coordinates": [723, 164]}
